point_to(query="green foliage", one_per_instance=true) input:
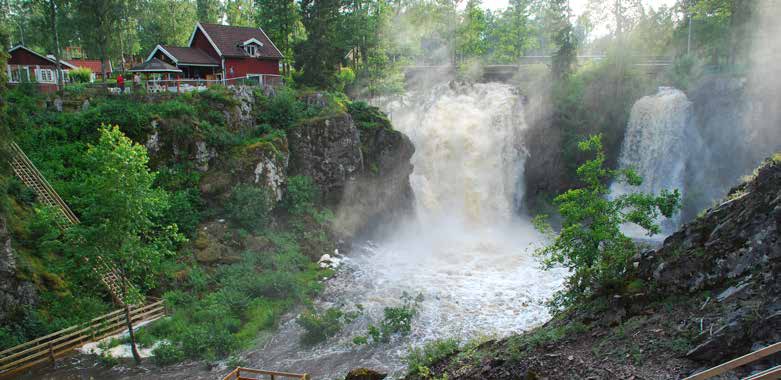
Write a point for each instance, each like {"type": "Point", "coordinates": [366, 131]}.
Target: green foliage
{"type": "Point", "coordinates": [248, 206]}
{"type": "Point", "coordinates": [167, 354]}
{"type": "Point", "coordinates": [301, 195]}
{"type": "Point", "coordinates": [397, 321]}
{"type": "Point", "coordinates": [345, 78]}
{"type": "Point", "coordinates": [366, 116]}
{"type": "Point", "coordinates": [421, 358]}
{"type": "Point", "coordinates": [590, 242]}
{"type": "Point", "coordinates": [80, 75]}
{"type": "Point", "coordinates": [318, 56]}
{"type": "Point", "coordinates": [119, 207]}
{"type": "Point", "coordinates": [283, 110]}
{"type": "Point", "coordinates": [320, 326]}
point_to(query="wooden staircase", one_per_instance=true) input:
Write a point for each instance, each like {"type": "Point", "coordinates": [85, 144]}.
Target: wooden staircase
{"type": "Point", "coordinates": [32, 178]}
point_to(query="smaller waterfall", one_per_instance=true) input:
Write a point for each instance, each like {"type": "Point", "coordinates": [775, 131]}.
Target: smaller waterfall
{"type": "Point", "coordinates": [659, 139]}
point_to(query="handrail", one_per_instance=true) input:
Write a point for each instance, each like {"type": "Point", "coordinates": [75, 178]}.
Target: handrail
{"type": "Point", "coordinates": [236, 374]}
{"type": "Point", "coordinates": [60, 343]}
{"type": "Point", "coordinates": [738, 362]}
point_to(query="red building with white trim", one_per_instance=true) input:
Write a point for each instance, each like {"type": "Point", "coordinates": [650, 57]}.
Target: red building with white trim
{"type": "Point", "coordinates": [225, 53]}
{"type": "Point", "coordinates": [25, 65]}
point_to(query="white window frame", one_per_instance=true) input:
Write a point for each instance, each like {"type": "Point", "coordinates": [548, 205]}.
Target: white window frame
{"type": "Point", "coordinates": [48, 78]}
{"type": "Point", "coordinates": [252, 50]}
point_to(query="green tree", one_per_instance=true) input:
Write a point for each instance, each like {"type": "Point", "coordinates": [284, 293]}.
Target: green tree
{"type": "Point", "coordinates": [239, 12]}
{"type": "Point", "coordinates": [119, 210]}
{"type": "Point", "coordinates": [590, 242]}
{"type": "Point", "coordinates": [319, 56]}
{"type": "Point", "coordinates": [472, 31]}
{"type": "Point", "coordinates": [208, 11]}
{"type": "Point", "coordinates": [281, 21]}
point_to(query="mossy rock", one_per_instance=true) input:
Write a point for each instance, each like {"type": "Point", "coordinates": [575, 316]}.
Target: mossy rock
{"type": "Point", "coordinates": [364, 374]}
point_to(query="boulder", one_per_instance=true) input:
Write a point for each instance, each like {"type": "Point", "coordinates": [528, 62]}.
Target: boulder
{"type": "Point", "coordinates": [327, 149]}
{"type": "Point", "coordinates": [364, 374]}
{"type": "Point", "coordinates": [382, 193]}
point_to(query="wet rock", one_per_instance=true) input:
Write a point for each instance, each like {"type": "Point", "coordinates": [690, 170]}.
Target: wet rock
{"type": "Point", "coordinates": [364, 374]}
{"type": "Point", "coordinates": [381, 195]}
{"type": "Point", "coordinates": [329, 151]}
{"type": "Point", "coordinates": [14, 293]}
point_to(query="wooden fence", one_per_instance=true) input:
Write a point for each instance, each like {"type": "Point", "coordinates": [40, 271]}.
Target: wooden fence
{"type": "Point", "coordinates": [56, 345]}
{"type": "Point", "coordinates": [772, 373]}
{"type": "Point", "coordinates": [242, 373]}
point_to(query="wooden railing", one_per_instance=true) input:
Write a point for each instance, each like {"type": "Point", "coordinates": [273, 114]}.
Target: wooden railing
{"type": "Point", "coordinates": [56, 345]}
{"type": "Point", "coordinates": [242, 373]}
{"type": "Point", "coordinates": [29, 174]}
{"type": "Point", "coordinates": [32, 178]}
{"type": "Point", "coordinates": [772, 373]}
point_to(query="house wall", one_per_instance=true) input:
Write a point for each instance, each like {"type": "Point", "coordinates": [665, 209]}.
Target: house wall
{"type": "Point", "coordinates": [202, 43]}
{"type": "Point", "coordinates": [243, 66]}
{"type": "Point", "coordinates": [23, 57]}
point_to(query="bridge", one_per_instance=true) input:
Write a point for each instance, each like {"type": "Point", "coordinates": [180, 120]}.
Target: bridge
{"type": "Point", "coordinates": [650, 65]}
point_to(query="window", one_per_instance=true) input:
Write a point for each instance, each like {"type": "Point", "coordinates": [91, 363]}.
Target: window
{"type": "Point", "coordinates": [251, 50]}
{"type": "Point", "coordinates": [45, 75]}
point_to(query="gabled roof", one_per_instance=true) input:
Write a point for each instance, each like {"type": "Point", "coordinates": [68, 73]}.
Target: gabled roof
{"type": "Point", "coordinates": [185, 55]}
{"type": "Point", "coordinates": [155, 65]}
{"type": "Point", "coordinates": [228, 40]}
{"type": "Point", "coordinates": [190, 55]}
{"type": "Point", "coordinates": [31, 51]}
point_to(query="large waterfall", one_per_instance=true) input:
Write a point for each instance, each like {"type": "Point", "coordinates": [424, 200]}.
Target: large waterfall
{"type": "Point", "coordinates": [466, 251]}
{"type": "Point", "coordinates": [659, 139]}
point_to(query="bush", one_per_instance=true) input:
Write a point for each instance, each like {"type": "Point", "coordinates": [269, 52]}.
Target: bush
{"type": "Point", "coordinates": [167, 354]}
{"type": "Point", "coordinates": [283, 110]}
{"type": "Point", "coordinates": [419, 359]}
{"type": "Point", "coordinates": [248, 206]}
{"type": "Point", "coordinates": [590, 242]}
{"type": "Point", "coordinates": [301, 195]}
{"type": "Point", "coordinates": [344, 78]}
{"type": "Point", "coordinates": [397, 320]}
{"type": "Point", "coordinates": [320, 326]}
{"type": "Point", "coordinates": [80, 75]}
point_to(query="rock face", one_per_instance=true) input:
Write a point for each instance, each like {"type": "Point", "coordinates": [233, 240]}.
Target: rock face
{"type": "Point", "coordinates": [14, 293]}
{"type": "Point", "coordinates": [382, 194]}
{"type": "Point", "coordinates": [329, 151]}
{"type": "Point", "coordinates": [734, 251]}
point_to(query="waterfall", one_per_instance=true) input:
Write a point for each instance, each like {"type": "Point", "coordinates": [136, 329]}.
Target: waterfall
{"type": "Point", "coordinates": [466, 249]}
{"type": "Point", "coordinates": [658, 141]}
{"type": "Point", "coordinates": [469, 157]}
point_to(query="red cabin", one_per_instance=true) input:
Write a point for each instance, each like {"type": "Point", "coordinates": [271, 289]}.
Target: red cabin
{"type": "Point", "coordinates": [25, 65]}
{"type": "Point", "coordinates": [224, 53]}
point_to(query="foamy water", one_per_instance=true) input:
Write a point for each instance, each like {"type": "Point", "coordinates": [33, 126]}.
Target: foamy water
{"type": "Point", "coordinates": [466, 249]}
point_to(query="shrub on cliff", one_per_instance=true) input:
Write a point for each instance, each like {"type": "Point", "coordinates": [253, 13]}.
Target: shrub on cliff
{"type": "Point", "coordinates": [590, 242]}
{"type": "Point", "coordinates": [248, 206]}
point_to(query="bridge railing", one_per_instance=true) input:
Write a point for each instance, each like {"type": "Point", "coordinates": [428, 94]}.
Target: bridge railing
{"type": "Point", "coordinates": [772, 373]}
{"type": "Point", "coordinates": [242, 373]}
{"type": "Point", "coordinates": [50, 347]}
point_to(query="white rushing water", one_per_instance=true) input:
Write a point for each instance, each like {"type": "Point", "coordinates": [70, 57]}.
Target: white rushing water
{"type": "Point", "coordinates": [658, 140]}
{"type": "Point", "coordinates": [466, 250]}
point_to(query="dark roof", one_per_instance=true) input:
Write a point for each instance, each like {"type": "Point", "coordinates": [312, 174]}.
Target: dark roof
{"type": "Point", "coordinates": [155, 65]}
{"type": "Point", "coordinates": [229, 38]}
{"type": "Point", "coordinates": [191, 55]}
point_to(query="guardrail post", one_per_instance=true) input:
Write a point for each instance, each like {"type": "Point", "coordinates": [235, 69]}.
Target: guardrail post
{"type": "Point", "coordinates": [51, 352]}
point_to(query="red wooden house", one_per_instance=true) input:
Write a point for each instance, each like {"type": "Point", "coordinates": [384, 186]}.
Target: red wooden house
{"type": "Point", "coordinates": [224, 53]}
{"type": "Point", "coordinates": [25, 65]}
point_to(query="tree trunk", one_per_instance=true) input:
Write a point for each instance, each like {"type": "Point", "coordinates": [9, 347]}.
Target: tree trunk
{"type": "Point", "coordinates": [133, 348]}
{"type": "Point", "coordinates": [56, 40]}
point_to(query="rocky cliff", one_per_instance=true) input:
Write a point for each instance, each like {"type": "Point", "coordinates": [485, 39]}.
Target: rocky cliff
{"type": "Point", "coordinates": [709, 294]}
{"type": "Point", "coordinates": [14, 293]}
